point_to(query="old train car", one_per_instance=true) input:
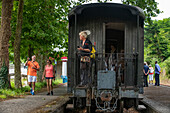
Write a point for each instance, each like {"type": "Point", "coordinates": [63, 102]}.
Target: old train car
{"type": "Point", "coordinates": [110, 24]}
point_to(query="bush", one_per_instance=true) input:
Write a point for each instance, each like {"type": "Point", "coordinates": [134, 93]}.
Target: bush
{"type": "Point", "coordinates": [57, 81]}
{"type": "Point", "coordinates": [3, 96]}
{"type": "Point", "coordinates": [167, 67]}
{"type": "Point", "coordinates": [39, 85]}
{"type": "Point", "coordinates": [4, 93]}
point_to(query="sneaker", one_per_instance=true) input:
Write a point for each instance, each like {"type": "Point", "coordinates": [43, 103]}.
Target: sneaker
{"type": "Point", "coordinates": [32, 93]}
{"type": "Point", "coordinates": [51, 92]}
{"type": "Point", "coordinates": [48, 93]}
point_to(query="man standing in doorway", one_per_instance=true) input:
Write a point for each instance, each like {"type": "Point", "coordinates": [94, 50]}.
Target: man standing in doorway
{"type": "Point", "coordinates": [157, 72]}
{"type": "Point", "coordinates": [33, 67]}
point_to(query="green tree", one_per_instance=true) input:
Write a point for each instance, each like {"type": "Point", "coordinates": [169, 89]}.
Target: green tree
{"type": "Point", "coordinates": [17, 42]}
{"type": "Point", "coordinates": [157, 39]}
{"type": "Point", "coordinates": [5, 32]}
{"type": "Point", "coordinates": [149, 6]}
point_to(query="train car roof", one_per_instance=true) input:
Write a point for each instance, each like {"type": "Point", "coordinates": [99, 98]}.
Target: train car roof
{"type": "Point", "coordinates": [133, 9]}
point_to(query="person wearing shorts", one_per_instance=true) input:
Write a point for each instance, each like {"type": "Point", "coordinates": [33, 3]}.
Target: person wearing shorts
{"type": "Point", "coordinates": [49, 73]}
{"type": "Point", "coordinates": [151, 71]}
{"type": "Point", "coordinates": [33, 67]}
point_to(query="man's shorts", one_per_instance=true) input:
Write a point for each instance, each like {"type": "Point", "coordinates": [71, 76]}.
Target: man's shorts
{"type": "Point", "coordinates": [32, 78]}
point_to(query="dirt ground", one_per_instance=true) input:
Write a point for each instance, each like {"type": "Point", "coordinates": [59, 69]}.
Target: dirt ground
{"type": "Point", "coordinates": [165, 82]}
{"type": "Point", "coordinates": [29, 103]}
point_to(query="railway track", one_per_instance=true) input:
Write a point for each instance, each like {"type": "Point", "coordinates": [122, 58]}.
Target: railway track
{"type": "Point", "coordinates": [159, 103]}
{"type": "Point", "coordinates": [147, 105]}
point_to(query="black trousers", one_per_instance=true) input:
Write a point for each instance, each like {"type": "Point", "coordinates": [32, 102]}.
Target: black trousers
{"type": "Point", "coordinates": [84, 73]}
{"type": "Point", "coordinates": [157, 80]}
{"type": "Point", "coordinates": [145, 80]}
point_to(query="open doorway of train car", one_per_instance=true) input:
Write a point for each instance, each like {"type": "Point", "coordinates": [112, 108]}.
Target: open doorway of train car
{"type": "Point", "coordinates": [115, 37]}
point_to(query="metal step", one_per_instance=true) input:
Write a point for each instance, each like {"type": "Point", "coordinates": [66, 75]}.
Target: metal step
{"type": "Point", "coordinates": [141, 107]}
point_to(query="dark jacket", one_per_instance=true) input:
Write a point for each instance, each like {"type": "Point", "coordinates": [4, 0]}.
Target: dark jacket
{"type": "Point", "coordinates": [87, 45]}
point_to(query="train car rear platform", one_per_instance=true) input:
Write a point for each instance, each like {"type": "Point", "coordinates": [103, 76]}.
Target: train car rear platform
{"type": "Point", "coordinates": [157, 97]}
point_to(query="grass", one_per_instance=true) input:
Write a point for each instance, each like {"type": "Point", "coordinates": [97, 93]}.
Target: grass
{"type": "Point", "coordinates": [13, 92]}
{"type": "Point", "coordinates": [57, 81]}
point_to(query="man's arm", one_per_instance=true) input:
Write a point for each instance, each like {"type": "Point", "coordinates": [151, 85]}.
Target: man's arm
{"type": "Point", "coordinates": [143, 71]}
{"type": "Point", "coordinates": [87, 50]}
{"type": "Point", "coordinates": [159, 69]}
{"type": "Point", "coordinates": [27, 61]}
{"type": "Point", "coordinates": [38, 67]}
{"type": "Point", "coordinates": [147, 72]}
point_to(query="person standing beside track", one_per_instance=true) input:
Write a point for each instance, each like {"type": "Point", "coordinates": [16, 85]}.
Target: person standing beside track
{"type": "Point", "coordinates": [146, 72]}
{"type": "Point", "coordinates": [157, 72]}
{"type": "Point", "coordinates": [33, 67]}
{"type": "Point", "coordinates": [151, 71]}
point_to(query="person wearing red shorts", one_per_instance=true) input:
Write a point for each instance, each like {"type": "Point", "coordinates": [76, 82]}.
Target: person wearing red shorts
{"type": "Point", "coordinates": [49, 74]}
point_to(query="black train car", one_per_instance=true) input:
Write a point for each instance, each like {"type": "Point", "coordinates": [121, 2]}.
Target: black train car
{"type": "Point", "coordinates": [110, 24]}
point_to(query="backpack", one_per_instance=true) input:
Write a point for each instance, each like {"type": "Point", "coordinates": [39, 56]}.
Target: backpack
{"type": "Point", "coordinates": [151, 70]}
{"type": "Point", "coordinates": [93, 51]}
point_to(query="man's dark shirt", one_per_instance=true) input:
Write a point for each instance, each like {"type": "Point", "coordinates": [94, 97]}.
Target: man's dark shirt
{"type": "Point", "coordinates": [146, 68]}
{"type": "Point", "coordinates": [87, 45]}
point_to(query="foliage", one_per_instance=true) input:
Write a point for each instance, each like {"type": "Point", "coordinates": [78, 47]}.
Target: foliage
{"type": "Point", "coordinates": [157, 39]}
{"type": "Point", "coordinates": [149, 6]}
{"type": "Point", "coordinates": [39, 85]}
{"type": "Point", "coordinates": [156, 42]}
{"type": "Point", "coordinates": [4, 76]}
{"type": "Point", "coordinates": [45, 24]}
{"type": "Point", "coordinates": [58, 81]}
{"type": "Point", "coordinates": [166, 65]}
{"type": "Point", "coordinates": [3, 96]}
{"type": "Point", "coordinates": [4, 93]}
{"type": "Point", "coordinates": [44, 27]}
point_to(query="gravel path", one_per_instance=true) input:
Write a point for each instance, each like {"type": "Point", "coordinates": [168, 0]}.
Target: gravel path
{"type": "Point", "coordinates": [29, 103]}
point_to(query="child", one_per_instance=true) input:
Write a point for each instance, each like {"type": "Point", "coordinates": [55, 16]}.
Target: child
{"type": "Point", "coordinates": [151, 70]}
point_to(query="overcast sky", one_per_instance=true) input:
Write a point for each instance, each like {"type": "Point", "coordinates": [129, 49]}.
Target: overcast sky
{"type": "Point", "coordinates": [164, 5]}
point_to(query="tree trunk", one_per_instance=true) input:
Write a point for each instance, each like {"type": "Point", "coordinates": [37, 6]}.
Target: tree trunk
{"type": "Point", "coordinates": [5, 33]}
{"type": "Point", "coordinates": [17, 42]}
{"type": "Point", "coordinates": [41, 59]}
{"type": "Point", "coordinates": [30, 52]}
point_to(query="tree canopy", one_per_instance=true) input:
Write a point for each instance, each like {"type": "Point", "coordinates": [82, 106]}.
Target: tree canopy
{"type": "Point", "coordinates": [45, 27]}
{"type": "Point", "coordinates": [45, 24]}
{"type": "Point", "coordinates": [150, 7]}
{"type": "Point", "coordinates": [157, 39]}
